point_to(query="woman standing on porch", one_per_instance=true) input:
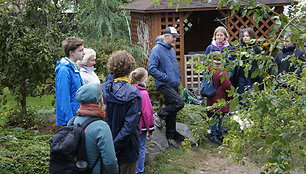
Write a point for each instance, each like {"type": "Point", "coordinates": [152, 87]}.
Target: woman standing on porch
{"type": "Point", "coordinates": [219, 42]}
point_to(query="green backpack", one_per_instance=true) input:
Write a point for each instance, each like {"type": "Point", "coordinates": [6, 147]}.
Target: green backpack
{"type": "Point", "coordinates": [189, 96]}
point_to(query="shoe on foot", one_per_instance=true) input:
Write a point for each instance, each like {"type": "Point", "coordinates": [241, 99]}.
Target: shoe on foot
{"type": "Point", "coordinates": [214, 139]}
{"type": "Point", "coordinates": [158, 121]}
{"type": "Point", "coordinates": [172, 143]}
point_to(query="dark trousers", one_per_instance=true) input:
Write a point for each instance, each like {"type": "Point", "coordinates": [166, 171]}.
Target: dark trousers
{"type": "Point", "coordinates": [174, 103]}
{"type": "Point", "coordinates": [127, 167]}
{"type": "Point", "coordinates": [216, 128]}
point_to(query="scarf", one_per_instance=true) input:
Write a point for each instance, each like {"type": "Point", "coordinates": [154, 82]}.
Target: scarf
{"type": "Point", "coordinates": [122, 79]}
{"type": "Point", "coordinates": [91, 110]}
{"type": "Point", "coordinates": [89, 69]}
{"type": "Point", "coordinates": [221, 45]}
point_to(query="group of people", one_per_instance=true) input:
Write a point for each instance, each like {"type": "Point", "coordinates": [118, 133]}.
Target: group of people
{"type": "Point", "coordinates": [121, 102]}
{"type": "Point", "coordinates": [124, 105]}
{"type": "Point", "coordinates": [241, 77]}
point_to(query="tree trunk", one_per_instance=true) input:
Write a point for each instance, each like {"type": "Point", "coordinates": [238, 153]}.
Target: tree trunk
{"type": "Point", "coordinates": [23, 100]}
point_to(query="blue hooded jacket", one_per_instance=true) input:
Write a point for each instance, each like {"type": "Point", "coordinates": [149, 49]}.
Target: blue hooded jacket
{"type": "Point", "coordinates": [67, 82]}
{"type": "Point", "coordinates": [163, 65]}
{"type": "Point", "coordinates": [123, 108]}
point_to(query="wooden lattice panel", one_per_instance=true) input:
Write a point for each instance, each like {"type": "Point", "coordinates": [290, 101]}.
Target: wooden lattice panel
{"type": "Point", "coordinates": [192, 78]}
{"type": "Point", "coordinates": [171, 20]}
{"type": "Point", "coordinates": [237, 22]}
{"type": "Point", "coordinates": [176, 20]}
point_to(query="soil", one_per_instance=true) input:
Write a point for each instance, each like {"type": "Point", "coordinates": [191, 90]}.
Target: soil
{"type": "Point", "coordinates": [211, 162]}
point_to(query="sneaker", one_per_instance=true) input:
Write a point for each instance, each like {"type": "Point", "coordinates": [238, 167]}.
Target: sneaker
{"type": "Point", "coordinates": [172, 143]}
{"type": "Point", "coordinates": [214, 139]}
{"type": "Point", "coordinates": [159, 122]}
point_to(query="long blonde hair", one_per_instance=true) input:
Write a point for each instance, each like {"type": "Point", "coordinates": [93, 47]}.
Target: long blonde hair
{"type": "Point", "coordinates": [138, 75]}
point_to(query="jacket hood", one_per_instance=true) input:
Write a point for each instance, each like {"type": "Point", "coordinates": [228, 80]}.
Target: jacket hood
{"type": "Point", "coordinates": [140, 87]}
{"type": "Point", "coordinates": [65, 62]}
{"type": "Point", "coordinates": [88, 94]}
{"type": "Point", "coordinates": [226, 43]}
{"type": "Point", "coordinates": [161, 42]}
{"type": "Point", "coordinates": [118, 92]}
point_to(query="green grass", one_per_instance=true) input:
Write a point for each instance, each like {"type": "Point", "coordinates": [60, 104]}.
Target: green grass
{"type": "Point", "coordinates": [41, 105]}
{"type": "Point", "coordinates": [43, 102]}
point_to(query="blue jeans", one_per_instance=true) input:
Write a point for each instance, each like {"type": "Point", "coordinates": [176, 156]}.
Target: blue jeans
{"type": "Point", "coordinates": [142, 153]}
{"type": "Point", "coordinates": [216, 128]}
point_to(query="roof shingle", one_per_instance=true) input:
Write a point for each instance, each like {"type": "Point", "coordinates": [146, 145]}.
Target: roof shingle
{"type": "Point", "coordinates": [148, 6]}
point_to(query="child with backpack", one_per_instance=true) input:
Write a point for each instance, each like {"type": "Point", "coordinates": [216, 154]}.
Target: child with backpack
{"type": "Point", "coordinates": [221, 83]}
{"type": "Point", "coordinates": [87, 148]}
{"type": "Point", "coordinates": [123, 109]}
{"type": "Point", "coordinates": [138, 78]}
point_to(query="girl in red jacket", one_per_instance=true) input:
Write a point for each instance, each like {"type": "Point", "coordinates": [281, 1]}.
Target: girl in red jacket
{"type": "Point", "coordinates": [138, 78]}
{"type": "Point", "coordinates": [223, 84]}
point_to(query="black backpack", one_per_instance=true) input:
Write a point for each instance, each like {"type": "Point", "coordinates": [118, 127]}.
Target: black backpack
{"type": "Point", "coordinates": [67, 149]}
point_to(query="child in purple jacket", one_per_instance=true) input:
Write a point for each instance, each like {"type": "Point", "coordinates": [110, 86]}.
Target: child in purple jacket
{"type": "Point", "coordinates": [138, 78]}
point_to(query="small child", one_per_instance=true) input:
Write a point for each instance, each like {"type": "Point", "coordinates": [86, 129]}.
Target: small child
{"type": "Point", "coordinates": [123, 108]}
{"type": "Point", "coordinates": [222, 84]}
{"type": "Point", "coordinates": [284, 57]}
{"type": "Point", "coordinates": [138, 78]}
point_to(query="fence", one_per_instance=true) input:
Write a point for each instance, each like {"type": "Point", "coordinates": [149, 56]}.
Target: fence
{"type": "Point", "coordinates": [192, 78]}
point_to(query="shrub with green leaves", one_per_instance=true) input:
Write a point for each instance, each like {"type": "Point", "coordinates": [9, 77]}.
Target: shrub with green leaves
{"type": "Point", "coordinates": [23, 151]}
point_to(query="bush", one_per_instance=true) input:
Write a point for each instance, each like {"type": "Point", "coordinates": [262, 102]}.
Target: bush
{"type": "Point", "coordinates": [23, 151]}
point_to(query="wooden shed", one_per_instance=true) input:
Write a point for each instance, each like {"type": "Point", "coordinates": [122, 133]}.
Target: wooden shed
{"type": "Point", "coordinates": [196, 24]}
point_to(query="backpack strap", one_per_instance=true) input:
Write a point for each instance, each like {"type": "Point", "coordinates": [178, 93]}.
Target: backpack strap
{"type": "Point", "coordinates": [82, 144]}
{"type": "Point", "coordinates": [70, 123]}
{"type": "Point", "coordinates": [89, 121]}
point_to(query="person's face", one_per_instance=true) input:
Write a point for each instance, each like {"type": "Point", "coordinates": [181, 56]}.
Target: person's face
{"type": "Point", "coordinates": [77, 54]}
{"type": "Point", "coordinates": [288, 43]}
{"type": "Point", "coordinates": [91, 61]}
{"type": "Point", "coordinates": [220, 37]}
{"type": "Point", "coordinates": [169, 39]}
{"type": "Point", "coordinates": [246, 37]}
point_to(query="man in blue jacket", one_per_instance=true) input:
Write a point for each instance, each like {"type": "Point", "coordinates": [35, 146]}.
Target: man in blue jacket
{"type": "Point", "coordinates": [163, 67]}
{"type": "Point", "coordinates": [68, 80]}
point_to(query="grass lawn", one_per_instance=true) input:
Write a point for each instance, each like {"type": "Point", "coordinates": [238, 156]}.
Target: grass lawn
{"type": "Point", "coordinates": [43, 102]}
{"type": "Point", "coordinates": [42, 105]}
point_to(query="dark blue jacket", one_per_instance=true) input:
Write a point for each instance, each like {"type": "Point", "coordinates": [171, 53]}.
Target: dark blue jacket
{"type": "Point", "coordinates": [284, 57]}
{"type": "Point", "coordinates": [163, 65]}
{"type": "Point", "coordinates": [123, 108]}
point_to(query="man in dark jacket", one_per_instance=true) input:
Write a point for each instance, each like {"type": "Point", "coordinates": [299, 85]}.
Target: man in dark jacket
{"type": "Point", "coordinates": [123, 108]}
{"type": "Point", "coordinates": [163, 67]}
{"type": "Point", "coordinates": [284, 57]}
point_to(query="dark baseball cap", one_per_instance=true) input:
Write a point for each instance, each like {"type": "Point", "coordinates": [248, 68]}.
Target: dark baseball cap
{"type": "Point", "coordinates": [172, 31]}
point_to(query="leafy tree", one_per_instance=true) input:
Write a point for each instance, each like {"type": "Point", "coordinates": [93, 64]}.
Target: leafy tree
{"type": "Point", "coordinates": [98, 18]}
{"type": "Point", "coordinates": [29, 44]}
{"type": "Point", "coordinates": [105, 26]}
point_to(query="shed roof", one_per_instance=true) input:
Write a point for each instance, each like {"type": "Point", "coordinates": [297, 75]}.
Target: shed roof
{"type": "Point", "coordinates": [146, 6]}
